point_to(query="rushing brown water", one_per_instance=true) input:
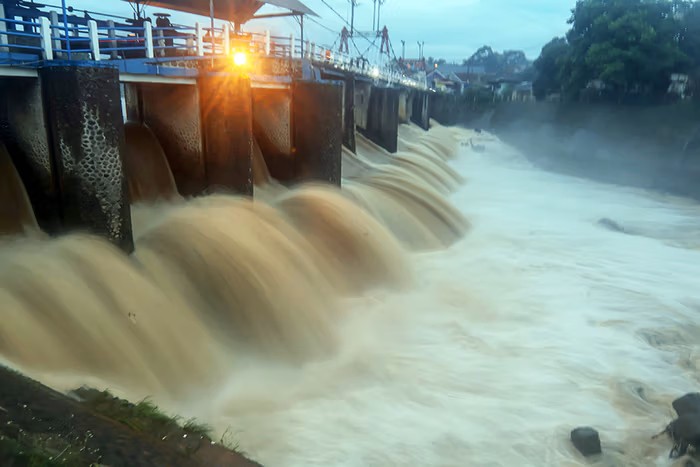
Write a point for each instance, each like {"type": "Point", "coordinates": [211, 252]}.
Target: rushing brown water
{"type": "Point", "coordinates": [373, 325]}
{"type": "Point", "coordinates": [213, 279]}
{"type": "Point", "coordinates": [16, 215]}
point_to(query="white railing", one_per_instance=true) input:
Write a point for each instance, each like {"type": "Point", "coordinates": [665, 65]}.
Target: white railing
{"type": "Point", "coordinates": [107, 40]}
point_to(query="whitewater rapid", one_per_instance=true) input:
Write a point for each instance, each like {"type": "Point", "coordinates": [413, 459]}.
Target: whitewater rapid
{"type": "Point", "coordinates": [540, 320]}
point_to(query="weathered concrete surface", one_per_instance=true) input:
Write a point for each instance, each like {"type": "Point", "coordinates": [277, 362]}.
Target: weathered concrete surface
{"type": "Point", "coordinates": [444, 108]}
{"type": "Point", "coordinates": [16, 214]}
{"type": "Point", "coordinates": [647, 147]}
{"type": "Point", "coordinates": [23, 131]}
{"type": "Point", "coordinates": [363, 93]}
{"type": "Point", "coordinates": [227, 127]}
{"type": "Point", "coordinates": [318, 130]}
{"type": "Point", "coordinates": [147, 171]}
{"type": "Point", "coordinates": [420, 115]}
{"type": "Point", "coordinates": [172, 113]}
{"type": "Point", "coordinates": [383, 118]}
{"type": "Point", "coordinates": [349, 113]}
{"type": "Point", "coordinates": [405, 106]}
{"type": "Point", "coordinates": [83, 115]}
{"type": "Point", "coordinates": [272, 127]}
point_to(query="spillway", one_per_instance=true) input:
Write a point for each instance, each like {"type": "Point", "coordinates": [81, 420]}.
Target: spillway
{"type": "Point", "coordinates": [445, 307]}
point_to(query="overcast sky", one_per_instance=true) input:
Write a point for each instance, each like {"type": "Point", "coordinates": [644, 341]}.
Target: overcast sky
{"type": "Point", "coordinates": [451, 29]}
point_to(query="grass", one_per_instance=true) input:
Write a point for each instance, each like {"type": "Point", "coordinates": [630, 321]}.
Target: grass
{"type": "Point", "coordinates": [143, 417]}
{"type": "Point", "coordinates": [35, 450]}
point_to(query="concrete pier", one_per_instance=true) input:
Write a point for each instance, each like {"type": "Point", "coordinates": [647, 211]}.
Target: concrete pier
{"type": "Point", "coordinates": [444, 108]}
{"type": "Point", "coordinates": [420, 114]}
{"type": "Point", "coordinates": [383, 118]}
{"type": "Point", "coordinates": [86, 137]}
{"type": "Point", "coordinates": [349, 126]}
{"type": "Point", "coordinates": [405, 106]}
{"type": "Point", "coordinates": [226, 110]}
{"type": "Point", "coordinates": [318, 130]}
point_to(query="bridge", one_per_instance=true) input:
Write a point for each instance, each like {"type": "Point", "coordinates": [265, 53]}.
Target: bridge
{"type": "Point", "coordinates": [74, 88]}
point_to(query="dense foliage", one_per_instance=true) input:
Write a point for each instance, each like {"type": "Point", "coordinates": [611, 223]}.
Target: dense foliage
{"type": "Point", "coordinates": [510, 61]}
{"type": "Point", "coordinates": [621, 48]}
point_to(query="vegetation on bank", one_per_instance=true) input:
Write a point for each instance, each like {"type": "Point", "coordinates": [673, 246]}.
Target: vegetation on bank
{"type": "Point", "coordinates": [623, 51]}
{"type": "Point", "coordinates": [42, 427]}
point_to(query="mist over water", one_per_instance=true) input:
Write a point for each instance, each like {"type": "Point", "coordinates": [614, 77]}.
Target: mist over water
{"type": "Point", "coordinates": [375, 325]}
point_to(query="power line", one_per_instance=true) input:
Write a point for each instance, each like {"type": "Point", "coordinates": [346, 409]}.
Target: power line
{"type": "Point", "coordinates": [372, 43]}
{"type": "Point", "coordinates": [336, 12]}
{"type": "Point", "coordinates": [313, 20]}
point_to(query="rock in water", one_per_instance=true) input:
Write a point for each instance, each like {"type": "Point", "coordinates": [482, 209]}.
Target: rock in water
{"type": "Point", "coordinates": [685, 432]}
{"type": "Point", "coordinates": [586, 440]}
{"type": "Point", "coordinates": [690, 403]}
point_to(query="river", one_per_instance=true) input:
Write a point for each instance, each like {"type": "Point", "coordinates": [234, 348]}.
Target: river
{"type": "Point", "coordinates": [539, 321]}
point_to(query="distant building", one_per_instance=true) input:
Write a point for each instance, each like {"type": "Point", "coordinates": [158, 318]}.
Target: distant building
{"type": "Point", "coordinates": [512, 89]}
{"type": "Point", "coordinates": [523, 92]}
{"type": "Point", "coordinates": [468, 74]}
{"type": "Point", "coordinates": [445, 82]}
{"type": "Point", "coordinates": [679, 84]}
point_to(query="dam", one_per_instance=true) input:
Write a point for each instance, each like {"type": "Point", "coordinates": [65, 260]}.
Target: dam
{"type": "Point", "coordinates": [293, 248]}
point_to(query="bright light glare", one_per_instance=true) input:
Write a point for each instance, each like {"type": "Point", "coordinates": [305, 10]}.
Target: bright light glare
{"type": "Point", "coordinates": [239, 59]}
{"type": "Point", "coordinates": [375, 72]}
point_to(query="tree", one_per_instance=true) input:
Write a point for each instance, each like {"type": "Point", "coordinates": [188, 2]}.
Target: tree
{"type": "Point", "coordinates": [508, 62]}
{"type": "Point", "coordinates": [632, 46]}
{"type": "Point", "coordinates": [548, 68]}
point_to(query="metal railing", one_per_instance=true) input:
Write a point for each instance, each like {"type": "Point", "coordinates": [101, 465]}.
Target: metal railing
{"type": "Point", "coordinates": [107, 40]}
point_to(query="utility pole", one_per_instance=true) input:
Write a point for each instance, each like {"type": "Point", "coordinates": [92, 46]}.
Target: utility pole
{"type": "Point", "coordinates": [353, 4]}
{"type": "Point", "coordinates": [374, 17]}
{"type": "Point", "coordinates": [403, 50]}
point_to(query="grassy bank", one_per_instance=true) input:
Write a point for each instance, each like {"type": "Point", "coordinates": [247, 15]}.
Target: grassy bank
{"type": "Point", "coordinates": [42, 427]}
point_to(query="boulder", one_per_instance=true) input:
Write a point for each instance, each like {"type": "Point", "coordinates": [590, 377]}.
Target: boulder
{"type": "Point", "coordinates": [690, 403]}
{"type": "Point", "coordinates": [586, 440]}
{"type": "Point", "coordinates": [685, 433]}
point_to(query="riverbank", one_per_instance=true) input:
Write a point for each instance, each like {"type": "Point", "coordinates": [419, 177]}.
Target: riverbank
{"type": "Point", "coordinates": [652, 147]}
{"type": "Point", "coordinates": [43, 427]}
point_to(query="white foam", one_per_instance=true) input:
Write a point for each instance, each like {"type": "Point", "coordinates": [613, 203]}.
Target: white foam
{"type": "Point", "coordinates": [539, 321]}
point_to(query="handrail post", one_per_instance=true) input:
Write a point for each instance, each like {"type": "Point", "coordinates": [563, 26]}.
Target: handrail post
{"type": "Point", "coordinates": [161, 42]}
{"type": "Point", "coordinates": [113, 54]}
{"type": "Point", "coordinates": [148, 38]}
{"type": "Point", "coordinates": [227, 39]}
{"type": "Point", "coordinates": [267, 42]}
{"type": "Point", "coordinates": [56, 43]}
{"type": "Point", "coordinates": [46, 45]}
{"type": "Point", "coordinates": [291, 46]}
{"type": "Point", "coordinates": [94, 39]}
{"type": "Point", "coordinates": [200, 39]}
{"type": "Point", "coordinates": [312, 51]}
{"type": "Point", "coordinates": [3, 26]}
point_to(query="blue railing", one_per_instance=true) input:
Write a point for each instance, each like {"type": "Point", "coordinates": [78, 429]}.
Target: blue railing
{"type": "Point", "coordinates": [50, 39]}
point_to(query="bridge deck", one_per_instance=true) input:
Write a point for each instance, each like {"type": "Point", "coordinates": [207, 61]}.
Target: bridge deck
{"type": "Point", "coordinates": [30, 37]}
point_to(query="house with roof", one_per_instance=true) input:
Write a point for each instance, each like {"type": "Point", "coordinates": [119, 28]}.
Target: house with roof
{"type": "Point", "coordinates": [445, 82]}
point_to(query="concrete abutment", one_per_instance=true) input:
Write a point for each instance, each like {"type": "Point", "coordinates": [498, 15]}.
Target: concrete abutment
{"type": "Point", "coordinates": [383, 118]}
{"type": "Point", "coordinates": [420, 114]}
{"type": "Point", "coordinates": [66, 136]}
{"type": "Point", "coordinates": [86, 136]}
